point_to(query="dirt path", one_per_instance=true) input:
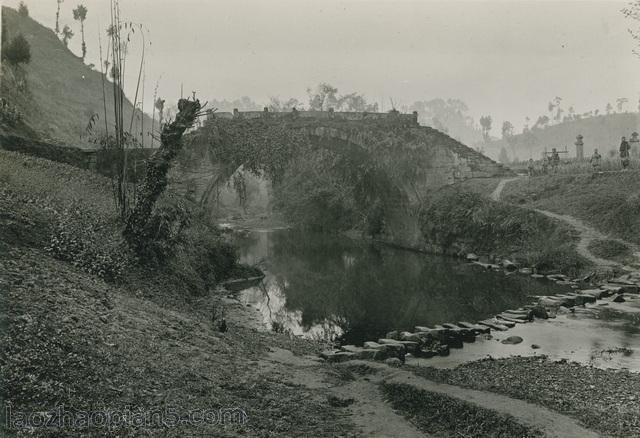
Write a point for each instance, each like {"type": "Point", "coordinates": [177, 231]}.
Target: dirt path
{"type": "Point", "coordinates": [374, 416]}
{"type": "Point", "coordinates": [368, 410]}
{"type": "Point", "coordinates": [549, 422]}
{"type": "Point", "coordinates": [498, 191]}
{"type": "Point", "coordinates": [587, 233]}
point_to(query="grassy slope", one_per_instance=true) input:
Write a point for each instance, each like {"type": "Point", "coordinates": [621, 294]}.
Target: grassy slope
{"type": "Point", "coordinates": [609, 202]}
{"type": "Point", "coordinates": [460, 219]}
{"type": "Point", "coordinates": [71, 338]}
{"type": "Point", "coordinates": [605, 400]}
{"type": "Point", "coordinates": [65, 91]}
{"type": "Point", "coordinates": [602, 132]}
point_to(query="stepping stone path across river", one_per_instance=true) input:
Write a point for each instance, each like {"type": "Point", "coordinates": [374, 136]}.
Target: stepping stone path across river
{"type": "Point", "coordinates": [437, 341]}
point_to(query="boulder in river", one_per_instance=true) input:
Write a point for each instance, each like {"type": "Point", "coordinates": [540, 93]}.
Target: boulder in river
{"type": "Point", "coordinates": [619, 299]}
{"type": "Point", "coordinates": [472, 257]}
{"type": "Point", "coordinates": [509, 265]}
{"type": "Point", "coordinates": [512, 340]}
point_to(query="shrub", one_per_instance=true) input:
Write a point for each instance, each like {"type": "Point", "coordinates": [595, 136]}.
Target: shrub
{"type": "Point", "coordinates": [17, 51]}
{"type": "Point", "coordinates": [80, 239]}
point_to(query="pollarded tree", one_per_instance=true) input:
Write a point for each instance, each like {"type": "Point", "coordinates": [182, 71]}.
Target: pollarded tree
{"type": "Point", "coordinates": [67, 34]}
{"type": "Point", "coordinates": [80, 14]}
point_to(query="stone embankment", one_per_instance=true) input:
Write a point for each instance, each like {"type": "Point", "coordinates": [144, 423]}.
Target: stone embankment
{"type": "Point", "coordinates": [428, 342]}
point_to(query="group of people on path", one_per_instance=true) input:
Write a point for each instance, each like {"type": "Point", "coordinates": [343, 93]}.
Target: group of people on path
{"type": "Point", "coordinates": [552, 160]}
{"type": "Point", "coordinates": [625, 147]}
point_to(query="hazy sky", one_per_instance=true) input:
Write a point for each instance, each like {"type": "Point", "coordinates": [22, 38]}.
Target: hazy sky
{"type": "Point", "coordinates": [503, 58]}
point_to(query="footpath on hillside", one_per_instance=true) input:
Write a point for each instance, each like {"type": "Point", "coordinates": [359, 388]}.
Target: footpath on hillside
{"type": "Point", "coordinates": [586, 232]}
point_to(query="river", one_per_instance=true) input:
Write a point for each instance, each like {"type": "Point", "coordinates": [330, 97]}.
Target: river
{"type": "Point", "coordinates": [327, 286]}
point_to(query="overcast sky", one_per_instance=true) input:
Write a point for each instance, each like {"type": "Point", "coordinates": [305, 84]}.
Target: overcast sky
{"type": "Point", "coordinates": [503, 58]}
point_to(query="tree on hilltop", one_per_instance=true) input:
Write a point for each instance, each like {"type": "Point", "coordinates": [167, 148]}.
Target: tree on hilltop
{"type": "Point", "coordinates": [485, 123]}
{"type": "Point", "coordinates": [67, 34]}
{"type": "Point", "coordinates": [58, 17]}
{"type": "Point", "coordinates": [23, 10]}
{"type": "Point", "coordinates": [80, 14]}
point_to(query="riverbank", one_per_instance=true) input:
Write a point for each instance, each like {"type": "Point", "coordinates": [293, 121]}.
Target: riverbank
{"type": "Point", "coordinates": [147, 341]}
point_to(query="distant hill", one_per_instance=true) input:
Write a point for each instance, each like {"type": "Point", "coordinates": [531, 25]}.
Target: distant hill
{"type": "Point", "coordinates": [62, 93]}
{"type": "Point", "coordinates": [602, 132]}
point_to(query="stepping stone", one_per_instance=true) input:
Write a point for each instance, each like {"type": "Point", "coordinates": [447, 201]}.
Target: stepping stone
{"type": "Point", "coordinates": [627, 288]}
{"type": "Point", "coordinates": [598, 293]}
{"type": "Point", "coordinates": [507, 318]}
{"type": "Point", "coordinates": [408, 336]}
{"type": "Point", "coordinates": [588, 298]}
{"type": "Point", "coordinates": [477, 328]}
{"type": "Point", "coordinates": [351, 348]}
{"type": "Point", "coordinates": [494, 325]}
{"type": "Point", "coordinates": [339, 356]}
{"type": "Point", "coordinates": [372, 344]}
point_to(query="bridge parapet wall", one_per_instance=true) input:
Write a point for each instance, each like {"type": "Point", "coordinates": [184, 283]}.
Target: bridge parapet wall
{"type": "Point", "coordinates": [393, 116]}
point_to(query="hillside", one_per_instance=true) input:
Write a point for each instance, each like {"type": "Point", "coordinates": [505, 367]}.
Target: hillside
{"type": "Point", "coordinates": [62, 93]}
{"type": "Point", "coordinates": [602, 132]}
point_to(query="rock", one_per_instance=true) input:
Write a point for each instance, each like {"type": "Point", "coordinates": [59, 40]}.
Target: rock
{"type": "Point", "coordinates": [537, 276]}
{"type": "Point", "coordinates": [393, 362]}
{"type": "Point", "coordinates": [472, 257]}
{"type": "Point", "coordinates": [525, 271]}
{"type": "Point", "coordinates": [509, 265]}
{"type": "Point", "coordinates": [420, 328]}
{"type": "Point", "coordinates": [619, 299]}
{"type": "Point", "coordinates": [512, 340]}
{"type": "Point", "coordinates": [539, 311]}
{"type": "Point", "coordinates": [563, 310]}
{"type": "Point", "coordinates": [535, 346]}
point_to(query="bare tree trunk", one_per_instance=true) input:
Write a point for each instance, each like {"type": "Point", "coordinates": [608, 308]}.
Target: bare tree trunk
{"type": "Point", "coordinates": [155, 180]}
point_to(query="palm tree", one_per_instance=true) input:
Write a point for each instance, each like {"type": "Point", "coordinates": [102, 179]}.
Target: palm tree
{"type": "Point", "coordinates": [67, 34]}
{"type": "Point", "coordinates": [80, 14]}
{"type": "Point", "coordinates": [58, 17]}
{"type": "Point", "coordinates": [159, 104]}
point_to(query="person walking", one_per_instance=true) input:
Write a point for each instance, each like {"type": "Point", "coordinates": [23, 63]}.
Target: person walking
{"type": "Point", "coordinates": [530, 167]}
{"type": "Point", "coordinates": [595, 160]}
{"type": "Point", "coordinates": [624, 152]}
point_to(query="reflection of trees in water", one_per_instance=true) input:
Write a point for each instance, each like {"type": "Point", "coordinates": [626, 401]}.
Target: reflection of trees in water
{"type": "Point", "coordinates": [368, 290]}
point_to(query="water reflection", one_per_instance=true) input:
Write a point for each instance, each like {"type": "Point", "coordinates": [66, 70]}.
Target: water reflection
{"type": "Point", "coordinates": [323, 286]}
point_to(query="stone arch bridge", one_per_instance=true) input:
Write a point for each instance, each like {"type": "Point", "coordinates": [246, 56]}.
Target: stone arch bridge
{"type": "Point", "coordinates": [437, 159]}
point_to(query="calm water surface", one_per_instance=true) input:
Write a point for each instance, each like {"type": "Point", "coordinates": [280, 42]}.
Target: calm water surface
{"type": "Point", "coordinates": [330, 286]}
